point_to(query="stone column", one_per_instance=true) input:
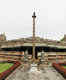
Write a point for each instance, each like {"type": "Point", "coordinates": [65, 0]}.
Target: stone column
{"type": "Point", "coordinates": [34, 17]}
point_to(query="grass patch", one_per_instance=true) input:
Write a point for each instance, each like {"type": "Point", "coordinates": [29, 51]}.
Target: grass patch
{"type": "Point", "coordinates": [64, 67]}
{"type": "Point", "coordinates": [5, 66]}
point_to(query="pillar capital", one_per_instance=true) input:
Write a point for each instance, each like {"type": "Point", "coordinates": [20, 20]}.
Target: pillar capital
{"type": "Point", "coordinates": [34, 15]}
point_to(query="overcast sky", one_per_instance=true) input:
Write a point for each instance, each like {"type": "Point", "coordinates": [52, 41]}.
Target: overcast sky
{"type": "Point", "coordinates": [16, 18]}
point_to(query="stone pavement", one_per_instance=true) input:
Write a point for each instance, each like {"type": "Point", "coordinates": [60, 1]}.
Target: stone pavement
{"type": "Point", "coordinates": [27, 72]}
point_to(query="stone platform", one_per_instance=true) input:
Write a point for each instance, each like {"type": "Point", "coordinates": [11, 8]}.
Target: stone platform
{"type": "Point", "coordinates": [28, 72]}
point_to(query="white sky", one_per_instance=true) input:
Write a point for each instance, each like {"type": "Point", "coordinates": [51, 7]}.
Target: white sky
{"type": "Point", "coordinates": [16, 18]}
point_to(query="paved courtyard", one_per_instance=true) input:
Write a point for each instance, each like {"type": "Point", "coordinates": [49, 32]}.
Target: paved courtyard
{"type": "Point", "coordinates": [28, 72]}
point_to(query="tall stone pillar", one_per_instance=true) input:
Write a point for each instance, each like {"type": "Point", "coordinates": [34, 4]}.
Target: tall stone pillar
{"type": "Point", "coordinates": [34, 17]}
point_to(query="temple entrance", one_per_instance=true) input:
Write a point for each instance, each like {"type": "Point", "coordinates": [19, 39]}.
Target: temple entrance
{"type": "Point", "coordinates": [38, 49]}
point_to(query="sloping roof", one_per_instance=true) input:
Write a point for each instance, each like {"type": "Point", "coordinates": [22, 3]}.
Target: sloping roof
{"type": "Point", "coordinates": [39, 41]}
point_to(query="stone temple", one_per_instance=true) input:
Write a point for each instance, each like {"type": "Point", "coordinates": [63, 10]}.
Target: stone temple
{"type": "Point", "coordinates": [33, 46]}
